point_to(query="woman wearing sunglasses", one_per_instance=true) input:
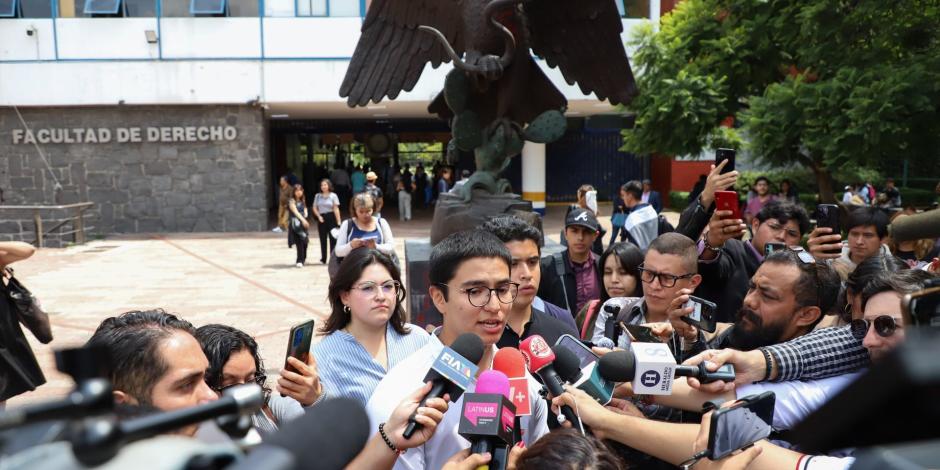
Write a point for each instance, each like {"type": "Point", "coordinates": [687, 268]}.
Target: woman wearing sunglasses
{"type": "Point", "coordinates": [234, 360]}
{"type": "Point", "coordinates": [365, 334]}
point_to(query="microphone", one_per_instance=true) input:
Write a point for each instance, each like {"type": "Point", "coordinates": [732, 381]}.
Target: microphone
{"type": "Point", "coordinates": [511, 362]}
{"type": "Point", "coordinates": [90, 397]}
{"type": "Point", "coordinates": [587, 379]}
{"type": "Point", "coordinates": [651, 368]}
{"type": "Point", "coordinates": [452, 372]}
{"type": "Point", "coordinates": [916, 227]}
{"type": "Point", "coordinates": [539, 358]}
{"type": "Point", "coordinates": [605, 342]}
{"type": "Point", "coordinates": [98, 441]}
{"type": "Point", "coordinates": [487, 417]}
{"type": "Point", "coordinates": [330, 435]}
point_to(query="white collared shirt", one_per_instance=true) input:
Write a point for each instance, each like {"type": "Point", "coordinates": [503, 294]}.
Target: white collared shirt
{"type": "Point", "coordinates": [406, 377]}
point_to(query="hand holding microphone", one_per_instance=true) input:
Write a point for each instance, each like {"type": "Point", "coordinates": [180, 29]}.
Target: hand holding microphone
{"type": "Point", "coordinates": [539, 358]}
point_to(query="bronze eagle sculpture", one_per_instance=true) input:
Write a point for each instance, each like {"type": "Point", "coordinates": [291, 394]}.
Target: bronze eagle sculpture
{"type": "Point", "coordinates": [496, 96]}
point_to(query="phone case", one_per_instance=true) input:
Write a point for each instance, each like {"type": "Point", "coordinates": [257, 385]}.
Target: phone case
{"type": "Point", "coordinates": [299, 346]}
{"type": "Point", "coordinates": [728, 201]}
{"type": "Point", "coordinates": [640, 334]}
{"type": "Point", "coordinates": [706, 321]}
{"type": "Point", "coordinates": [762, 403]}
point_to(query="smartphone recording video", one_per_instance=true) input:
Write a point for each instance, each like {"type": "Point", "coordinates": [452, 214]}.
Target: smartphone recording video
{"type": "Point", "coordinates": [703, 314]}
{"type": "Point", "coordinates": [740, 425]}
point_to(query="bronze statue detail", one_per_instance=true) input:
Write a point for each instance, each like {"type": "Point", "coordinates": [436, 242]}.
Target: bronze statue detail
{"type": "Point", "coordinates": [496, 97]}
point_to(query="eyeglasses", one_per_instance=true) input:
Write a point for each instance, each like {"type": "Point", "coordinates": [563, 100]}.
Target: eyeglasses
{"type": "Point", "coordinates": [260, 378]}
{"type": "Point", "coordinates": [776, 227]}
{"type": "Point", "coordinates": [480, 296]}
{"type": "Point", "coordinates": [665, 280]}
{"type": "Point", "coordinates": [885, 326]}
{"type": "Point", "coordinates": [371, 289]}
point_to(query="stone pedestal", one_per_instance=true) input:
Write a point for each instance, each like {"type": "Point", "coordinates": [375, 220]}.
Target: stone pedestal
{"type": "Point", "coordinates": [453, 215]}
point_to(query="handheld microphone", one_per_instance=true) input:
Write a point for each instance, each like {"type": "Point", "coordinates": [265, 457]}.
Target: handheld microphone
{"type": "Point", "coordinates": [605, 342]}
{"type": "Point", "coordinates": [539, 358]}
{"type": "Point", "coordinates": [724, 373]}
{"type": "Point", "coordinates": [329, 435]}
{"type": "Point", "coordinates": [90, 397]}
{"type": "Point", "coordinates": [487, 417]}
{"type": "Point", "coordinates": [651, 368]}
{"type": "Point", "coordinates": [588, 379]}
{"type": "Point", "coordinates": [98, 441]}
{"type": "Point", "coordinates": [916, 227]}
{"type": "Point", "coordinates": [511, 362]}
{"type": "Point", "coordinates": [452, 372]}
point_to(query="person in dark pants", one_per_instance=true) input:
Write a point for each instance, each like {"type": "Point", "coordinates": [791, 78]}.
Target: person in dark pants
{"type": "Point", "coordinates": [298, 225]}
{"type": "Point", "coordinates": [326, 210]}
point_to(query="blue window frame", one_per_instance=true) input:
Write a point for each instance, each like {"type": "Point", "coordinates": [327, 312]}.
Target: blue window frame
{"type": "Point", "coordinates": [207, 7]}
{"type": "Point", "coordinates": [9, 9]}
{"type": "Point", "coordinates": [102, 7]}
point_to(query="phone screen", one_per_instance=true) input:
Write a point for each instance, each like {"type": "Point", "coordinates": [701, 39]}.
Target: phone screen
{"type": "Point", "coordinates": [298, 344]}
{"type": "Point", "coordinates": [741, 425]}
{"type": "Point", "coordinates": [584, 353]}
{"type": "Point", "coordinates": [772, 247]}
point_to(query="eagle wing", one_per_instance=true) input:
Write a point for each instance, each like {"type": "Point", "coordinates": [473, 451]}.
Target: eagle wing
{"type": "Point", "coordinates": [392, 51]}
{"type": "Point", "coordinates": [582, 38]}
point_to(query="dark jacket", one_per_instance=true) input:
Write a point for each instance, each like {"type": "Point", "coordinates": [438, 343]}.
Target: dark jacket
{"type": "Point", "coordinates": [558, 281]}
{"type": "Point", "coordinates": [656, 201]}
{"type": "Point", "coordinates": [19, 370]}
{"type": "Point", "coordinates": [725, 279]}
{"type": "Point", "coordinates": [694, 219]}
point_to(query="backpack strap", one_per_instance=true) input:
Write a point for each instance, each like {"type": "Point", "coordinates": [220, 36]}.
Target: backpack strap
{"type": "Point", "coordinates": [589, 317]}
{"type": "Point", "coordinates": [559, 261]}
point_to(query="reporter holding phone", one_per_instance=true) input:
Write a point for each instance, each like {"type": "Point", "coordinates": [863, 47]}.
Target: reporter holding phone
{"type": "Point", "coordinates": [366, 333]}
{"type": "Point", "coordinates": [364, 230]}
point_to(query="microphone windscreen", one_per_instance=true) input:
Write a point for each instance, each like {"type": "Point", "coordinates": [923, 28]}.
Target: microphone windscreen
{"type": "Point", "coordinates": [510, 362]}
{"type": "Point", "coordinates": [566, 364]}
{"type": "Point", "coordinates": [605, 342]}
{"type": "Point", "coordinates": [330, 435]}
{"type": "Point", "coordinates": [470, 346]}
{"type": "Point", "coordinates": [916, 227]}
{"type": "Point", "coordinates": [493, 381]}
{"type": "Point", "coordinates": [537, 353]}
{"type": "Point", "coordinates": [617, 366]}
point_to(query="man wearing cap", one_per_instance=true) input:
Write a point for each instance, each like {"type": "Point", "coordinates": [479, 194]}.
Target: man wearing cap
{"type": "Point", "coordinates": [652, 197]}
{"type": "Point", "coordinates": [643, 222]}
{"type": "Point", "coordinates": [376, 193]}
{"type": "Point", "coordinates": [570, 278]}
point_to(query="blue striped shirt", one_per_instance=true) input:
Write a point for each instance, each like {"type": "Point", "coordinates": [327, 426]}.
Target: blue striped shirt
{"type": "Point", "coordinates": [347, 369]}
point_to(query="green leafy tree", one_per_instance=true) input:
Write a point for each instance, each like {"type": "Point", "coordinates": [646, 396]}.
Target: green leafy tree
{"type": "Point", "coordinates": [830, 84]}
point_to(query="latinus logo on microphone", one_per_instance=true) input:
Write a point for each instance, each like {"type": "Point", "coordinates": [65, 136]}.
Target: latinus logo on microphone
{"type": "Point", "coordinates": [455, 368]}
{"type": "Point", "coordinates": [655, 368]}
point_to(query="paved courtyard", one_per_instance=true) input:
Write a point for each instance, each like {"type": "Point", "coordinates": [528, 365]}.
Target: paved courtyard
{"type": "Point", "coordinates": [246, 280]}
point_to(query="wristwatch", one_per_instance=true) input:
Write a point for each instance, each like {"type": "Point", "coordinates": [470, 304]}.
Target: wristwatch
{"type": "Point", "coordinates": [707, 245]}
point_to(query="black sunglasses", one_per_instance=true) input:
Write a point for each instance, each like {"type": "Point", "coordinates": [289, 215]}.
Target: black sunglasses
{"type": "Point", "coordinates": [885, 326]}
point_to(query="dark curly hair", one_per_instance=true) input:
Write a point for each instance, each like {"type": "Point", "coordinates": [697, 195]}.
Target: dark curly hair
{"type": "Point", "coordinates": [219, 342]}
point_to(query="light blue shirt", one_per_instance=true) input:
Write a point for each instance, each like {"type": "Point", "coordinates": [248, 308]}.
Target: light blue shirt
{"type": "Point", "coordinates": [347, 369]}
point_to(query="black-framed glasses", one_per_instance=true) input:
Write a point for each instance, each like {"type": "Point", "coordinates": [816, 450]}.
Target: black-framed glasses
{"type": "Point", "coordinates": [371, 289]}
{"type": "Point", "coordinates": [479, 296]}
{"type": "Point", "coordinates": [665, 279]}
{"type": "Point", "coordinates": [885, 326]}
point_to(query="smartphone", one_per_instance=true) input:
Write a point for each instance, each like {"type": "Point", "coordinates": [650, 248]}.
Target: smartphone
{"type": "Point", "coordinates": [728, 201]}
{"type": "Point", "coordinates": [584, 353]}
{"type": "Point", "coordinates": [722, 155]}
{"type": "Point", "coordinates": [740, 425]}
{"type": "Point", "coordinates": [772, 247]}
{"type": "Point", "coordinates": [924, 306]}
{"type": "Point", "coordinates": [298, 343]}
{"type": "Point", "coordinates": [703, 315]}
{"type": "Point", "coordinates": [827, 215]}
{"type": "Point", "coordinates": [640, 334]}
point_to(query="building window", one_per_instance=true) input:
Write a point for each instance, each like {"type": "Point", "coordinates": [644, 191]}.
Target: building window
{"type": "Point", "coordinates": [103, 7]}
{"type": "Point", "coordinates": [207, 7]}
{"type": "Point", "coordinates": [635, 9]}
{"type": "Point", "coordinates": [10, 9]}
{"type": "Point", "coordinates": [34, 8]}
{"type": "Point", "coordinates": [337, 8]}
{"type": "Point", "coordinates": [311, 7]}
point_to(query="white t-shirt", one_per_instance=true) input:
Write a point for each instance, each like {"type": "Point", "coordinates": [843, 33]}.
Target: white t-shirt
{"type": "Point", "coordinates": [407, 377]}
{"type": "Point", "coordinates": [823, 462]}
{"type": "Point", "coordinates": [795, 400]}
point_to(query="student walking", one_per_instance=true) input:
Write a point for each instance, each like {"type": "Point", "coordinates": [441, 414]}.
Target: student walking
{"type": "Point", "coordinates": [326, 210]}
{"type": "Point", "coordinates": [297, 230]}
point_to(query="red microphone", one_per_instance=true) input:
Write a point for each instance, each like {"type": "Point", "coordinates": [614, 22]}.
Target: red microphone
{"type": "Point", "coordinates": [539, 358]}
{"type": "Point", "coordinates": [510, 362]}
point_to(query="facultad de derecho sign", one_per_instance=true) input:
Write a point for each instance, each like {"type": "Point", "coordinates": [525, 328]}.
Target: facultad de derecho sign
{"type": "Point", "coordinates": [103, 135]}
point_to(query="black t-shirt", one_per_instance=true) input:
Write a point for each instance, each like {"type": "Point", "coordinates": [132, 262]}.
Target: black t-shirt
{"type": "Point", "coordinates": [540, 323]}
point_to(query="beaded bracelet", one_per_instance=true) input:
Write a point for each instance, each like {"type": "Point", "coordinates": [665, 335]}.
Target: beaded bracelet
{"type": "Point", "coordinates": [767, 361]}
{"type": "Point", "coordinates": [388, 441]}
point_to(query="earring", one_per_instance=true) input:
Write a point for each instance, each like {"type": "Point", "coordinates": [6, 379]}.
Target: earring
{"type": "Point", "coordinates": [346, 308]}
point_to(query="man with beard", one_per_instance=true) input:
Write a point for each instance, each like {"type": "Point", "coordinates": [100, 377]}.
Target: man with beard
{"type": "Point", "coordinates": [786, 298]}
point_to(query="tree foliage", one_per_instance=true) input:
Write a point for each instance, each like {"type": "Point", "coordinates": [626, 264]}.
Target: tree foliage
{"type": "Point", "coordinates": [827, 83]}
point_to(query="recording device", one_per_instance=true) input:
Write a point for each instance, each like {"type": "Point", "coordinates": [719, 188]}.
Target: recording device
{"type": "Point", "coordinates": [539, 358]}
{"type": "Point", "coordinates": [587, 378]}
{"type": "Point", "coordinates": [511, 362]}
{"type": "Point", "coordinates": [640, 333]}
{"type": "Point", "coordinates": [924, 306]}
{"type": "Point", "coordinates": [771, 247]}
{"type": "Point", "coordinates": [610, 324]}
{"type": "Point", "coordinates": [97, 441]}
{"type": "Point", "coordinates": [728, 201]}
{"type": "Point", "coordinates": [722, 155]}
{"type": "Point", "coordinates": [740, 425]}
{"type": "Point", "coordinates": [655, 369]}
{"type": "Point", "coordinates": [488, 416]}
{"type": "Point", "coordinates": [703, 314]}
{"type": "Point", "coordinates": [827, 215]}
{"type": "Point", "coordinates": [329, 435]}
{"type": "Point", "coordinates": [451, 373]}
{"type": "Point", "coordinates": [298, 344]}
{"type": "Point", "coordinates": [916, 227]}
{"type": "Point", "coordinates": [581, 351]}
